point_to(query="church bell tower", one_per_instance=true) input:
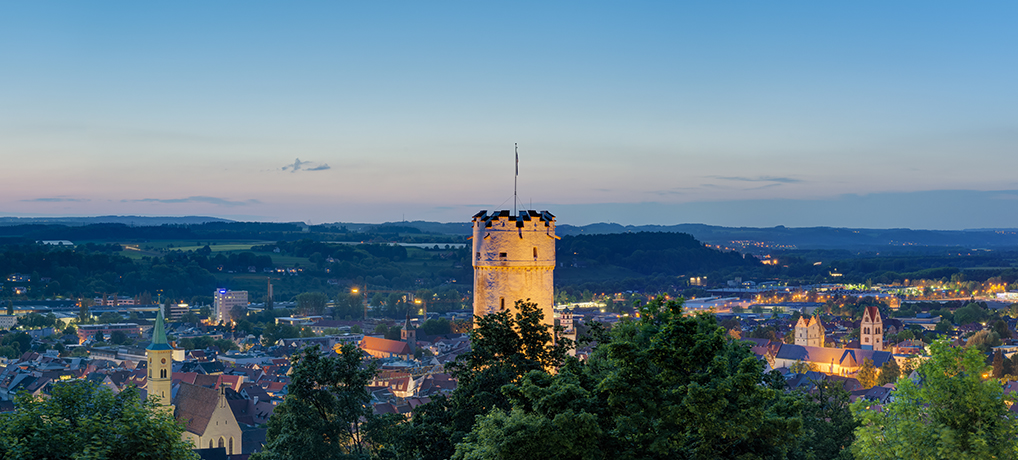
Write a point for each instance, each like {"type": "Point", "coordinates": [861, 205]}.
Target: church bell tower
{"type": "Point", "coordinates": [160, 365]}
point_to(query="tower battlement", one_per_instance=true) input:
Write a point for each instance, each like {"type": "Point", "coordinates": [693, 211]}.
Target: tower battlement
{"type": "Point", "coordinates": [513, 259]}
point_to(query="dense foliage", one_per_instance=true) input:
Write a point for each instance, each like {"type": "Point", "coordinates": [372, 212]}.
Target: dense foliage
{"type": "Point", "coordinates": [663, 386]}
{"type": "Point", "coordinates": [81, 420]}
{"type": "Point", "coordinates": [952, 411]}
{"type": "Point", "coordinates": [320, 414]}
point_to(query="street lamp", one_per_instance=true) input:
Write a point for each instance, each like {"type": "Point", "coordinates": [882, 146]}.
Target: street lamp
{"type": "Point", "coordinates": [355, 291]}
{"type": "Point", "coordinates": [424, 307]}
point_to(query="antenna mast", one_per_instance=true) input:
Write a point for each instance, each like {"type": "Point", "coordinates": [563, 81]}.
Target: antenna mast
{"type": "Point", "coordinates": [516, 146]}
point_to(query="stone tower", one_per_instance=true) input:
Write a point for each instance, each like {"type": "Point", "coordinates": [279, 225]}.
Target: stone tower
{"type": "Point", "coordinates": [514, 257]}
{"type": "Point", "coordinates": [809, 332]}
{"type": "Point", "coordinates": [871, 330]}
{"type": "Point", "coordinates": [160, 365]}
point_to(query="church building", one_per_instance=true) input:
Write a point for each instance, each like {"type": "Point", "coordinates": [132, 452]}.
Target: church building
{"type": "Point", "coordinates": [871, 330]}
{"type": "Point", "coordinates": [809, 332]}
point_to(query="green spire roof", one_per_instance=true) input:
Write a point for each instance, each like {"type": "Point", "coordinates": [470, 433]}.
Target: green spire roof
{"type": "Point", "coordinates": [159, 334]}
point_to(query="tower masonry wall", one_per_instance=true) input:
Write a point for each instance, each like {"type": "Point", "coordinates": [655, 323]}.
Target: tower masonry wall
{"type": "Point", "coordinates": [514, 259]}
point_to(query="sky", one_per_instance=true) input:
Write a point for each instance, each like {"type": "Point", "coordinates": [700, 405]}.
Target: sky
{"type": "Point", "coordinates": [845, 114]}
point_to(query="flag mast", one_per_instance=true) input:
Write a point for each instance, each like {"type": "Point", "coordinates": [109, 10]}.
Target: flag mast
{"type": "Point", "coordinates": [516, 146]}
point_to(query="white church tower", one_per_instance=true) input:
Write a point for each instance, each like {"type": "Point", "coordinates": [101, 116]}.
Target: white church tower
{"type": "Point", "coordinates": [514, 257]}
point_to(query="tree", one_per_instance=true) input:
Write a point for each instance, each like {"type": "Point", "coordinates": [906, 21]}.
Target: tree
{"type": "Point", "coordinates": [84, 316]}
{"type": "Point", "coordinates": [998, 364]}
{"type": "Point", "coordinates": [10, 307]}
{"type": "Point", "coordinates": [312, 303]}
{"type": "Point", "coordinates": [828, 425]}
{"type": "Point", "coordinates": [70, 330]}
{"type": "Point", "coordinates": [1000, 327]}
{"type": "Point", "coordinates": [118, 337]}
{"type": "Point", "coordinates": [663, 386]}
{"type": "Point", "coordinates": [319, 418]}
{"type": "Point", "coordinates": [505, 346]}
{"type": "Point", "coordinates": [983, 340]}
{"type": "Point", "coordinates": [82, 420]}
{"type": "Point", "coordinates": [971, 313]}
{"type": "Point", "coordinates": [867, 375]}
{"type": "Point", "coordinates": [953, 413]}
{"type": "Point", "coordinates": [802, 367]}
{"type": "Point", "coordinates": [109, 317]}
{"type": "Point", "coordinates": [889, 372]}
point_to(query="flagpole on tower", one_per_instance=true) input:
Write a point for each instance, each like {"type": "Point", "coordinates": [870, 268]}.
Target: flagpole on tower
{"type": "Point", "coordinates": [516, 146]}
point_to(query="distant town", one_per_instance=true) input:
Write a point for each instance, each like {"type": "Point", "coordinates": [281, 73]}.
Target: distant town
{"type": "Point", "coordinates": [232, 352]}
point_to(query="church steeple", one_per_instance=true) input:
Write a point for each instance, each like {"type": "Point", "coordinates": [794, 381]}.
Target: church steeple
{"type": "Point", "coordinates": [160, 365]}
{"type": "Point", "coordinates": [409, 333]}
{"type": "Point", "coordinates": [159, 334]}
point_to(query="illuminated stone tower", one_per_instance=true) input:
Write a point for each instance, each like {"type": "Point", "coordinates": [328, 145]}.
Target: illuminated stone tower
{"type": "Point", "coordinates": [871, 330]}
{"type": "Point", "coordinates": [514, 257]}
{"type": "Point", "coordinates": [160, 365]}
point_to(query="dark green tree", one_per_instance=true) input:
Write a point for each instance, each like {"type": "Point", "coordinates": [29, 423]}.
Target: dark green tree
{"type": "Point", "coordinates": [889, 372]}
{"type": "Point", "coordinates": [81, 420]}
{"type": "Point", "coordinates": [955, 412]}
{"type": "Point", "coordinates": [505, 346]}
{"type": "Point", "coordinates": [828, 425]}
{"type": "Point", "coordinates": [312, 303]}
{"type": "Point", "coordinates": [320, 416]}
{"type": "Point", "coordinates": [118, 337]}
{"type": "Point", "coordinates": [664, 386]}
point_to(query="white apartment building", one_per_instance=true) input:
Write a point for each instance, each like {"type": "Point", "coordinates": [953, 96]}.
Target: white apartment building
{"type": "Point", "coordinates": [225, 300]}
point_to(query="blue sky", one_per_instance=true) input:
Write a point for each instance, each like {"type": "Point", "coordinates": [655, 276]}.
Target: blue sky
{"type": "Point", "coordinates": [743, 113]}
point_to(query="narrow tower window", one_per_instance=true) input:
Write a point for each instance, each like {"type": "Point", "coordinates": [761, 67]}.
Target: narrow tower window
{"type": "Point", "coordinates": [503, 254]}
{"type": "Point", "coordinates": [502, 301]}
{"type": "Point", "coordinates": [535, 252]}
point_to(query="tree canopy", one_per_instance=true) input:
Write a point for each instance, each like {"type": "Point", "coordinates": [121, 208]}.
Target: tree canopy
{"type": "Point", "coordinates": [663, 386]}
{"type": "Point", "coordinates": [319, 417]}
{"type": "Point", "coordinates": [951, 412]}
{"type": "Point", "coordinates": [81, 420]}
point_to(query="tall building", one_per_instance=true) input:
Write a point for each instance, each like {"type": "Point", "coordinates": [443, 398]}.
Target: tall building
{"type": "Point", "coordinates": [871, 330]}
{"type": "Point", "coordinates": [225, 300]}
{"type": "Point", "coordinates": [160, 365]}
{"type": "Point", "coordinates": [514, 257]}
{"type": "Point", "coordinates": [809, 332]}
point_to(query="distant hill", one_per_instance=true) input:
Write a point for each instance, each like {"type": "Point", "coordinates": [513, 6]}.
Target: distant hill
{"type": "Point", "coordinates": [134, 221]}
{"type": "Point", "coordinates": [756, 239]}
{"type": "Point", "coordinates": [746, 239]}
